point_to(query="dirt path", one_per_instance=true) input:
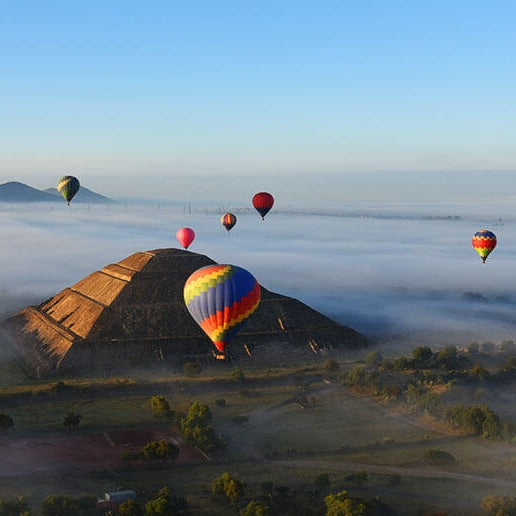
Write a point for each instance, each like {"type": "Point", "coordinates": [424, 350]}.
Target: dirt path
{"type": "Point", "coordinates": [404, 471]}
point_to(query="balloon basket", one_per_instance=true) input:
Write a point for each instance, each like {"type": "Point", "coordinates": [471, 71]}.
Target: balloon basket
{"type": "Point", "coordinates": [220, 356]}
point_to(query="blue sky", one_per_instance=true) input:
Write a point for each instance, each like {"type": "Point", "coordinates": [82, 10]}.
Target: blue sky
{"type": "Point", "coordinates": [256, 87]}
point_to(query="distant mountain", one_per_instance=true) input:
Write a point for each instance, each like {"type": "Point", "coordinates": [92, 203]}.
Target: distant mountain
{"type": "Point", "coordinates": [14, 191]}
{"type": "Point", "coordinates": [83, 195]}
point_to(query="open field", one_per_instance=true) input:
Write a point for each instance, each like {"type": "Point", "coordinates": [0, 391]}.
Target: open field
{"type": "Point", "coordinates": [301, 422]}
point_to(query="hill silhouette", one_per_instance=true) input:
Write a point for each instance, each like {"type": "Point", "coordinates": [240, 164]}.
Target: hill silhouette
{"type": "Point", "coordinates": [15, 191]}
{"type": "Point", "coordinates": [84, 195]}
{"type": "Point", "coordinates": [132, 313]}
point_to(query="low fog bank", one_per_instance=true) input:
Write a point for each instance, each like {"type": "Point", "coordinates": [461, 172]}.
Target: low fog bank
{"type": "Point", "coordinates": [394, 279]}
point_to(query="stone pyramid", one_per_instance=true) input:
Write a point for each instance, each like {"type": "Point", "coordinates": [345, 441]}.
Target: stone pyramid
{"type": "Point", "coordinates": [132, 314]}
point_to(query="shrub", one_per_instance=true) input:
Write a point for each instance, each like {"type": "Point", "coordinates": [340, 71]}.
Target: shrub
{"type": "Point", "coordinates": [6, 421]}
{"type": "Point", "coordinates": [237, 375]}
{"type": "Point", "coordinates": [358, 477]}
{"type": "Point", "coordinates": [239, 420]}
{"type": "Point", "coordinates": [323, 480]}
{"type": "Point", "coordinates": [161, 407]}
{"type": "Point", "coordinates": [330, 365]}
{"type": "Point", "coordinates": [14, 507]}
{"type": "Point", "coordinates": [254, 508]}
{"type": "Point", "coordinates": [341, 504]}
{"type": "Point", "coordinates": [220, 402]}
{"type": "Point", "coordinates": [499, 506]}
{"type": "Point", "coordinates": [439, 457]}
{"type": "Point", "coordinates": [229, 486]}
{"type": "Point", "coordinates": [192, 368]}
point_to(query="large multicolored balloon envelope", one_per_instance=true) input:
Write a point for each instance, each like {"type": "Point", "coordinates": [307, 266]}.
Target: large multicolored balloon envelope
{"type": "Point", "coordinates": [68, 186]}
{"type": "Point", "coordinates": [228, 220]}
{"type": "Point", "coordinates": [263, 202]}
{"type": "Point", "coordinates": [484, 242]}
{"type": "Point", "coordinates": [185, 236]}
{"type": "Point", "coordinates": [220, 298]}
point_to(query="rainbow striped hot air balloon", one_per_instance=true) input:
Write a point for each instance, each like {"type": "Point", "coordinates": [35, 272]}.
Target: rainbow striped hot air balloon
{"type": "Point", "coordinates": [220, 298]}
{"type": "Point", "coordinates": [483, 242]}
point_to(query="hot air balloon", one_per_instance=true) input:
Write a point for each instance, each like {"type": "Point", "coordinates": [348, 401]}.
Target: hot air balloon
{"type": "Point", "coordinates": [228, 220]}
{"type": "Point", "coordinates": [220, 298]}
{"type": "Point", "coordinates": [68, 186]}
{"type": "Point", "coordinates": [185, 236]}
{"type": "Point", "coordinates": [263, 202]}
{"type": "Point", "coordinates": [483, 242]}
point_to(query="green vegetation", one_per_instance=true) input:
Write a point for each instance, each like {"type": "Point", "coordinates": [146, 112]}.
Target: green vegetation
{"type": "Point", "coordinates": [237, 375]}
{"type": "Point", "coordinates": [296, 437]}
{"type": "Point", "coordinates": [499, 506]}
{"type": "Point", "coordinates": [130, 508]}
{"type": "Point", "coordinates": [6, 421]}
{"type": "Point", "coordinates": [196, 431]}
{"type": "Point", "coordinates": [165, 503]}
{"type": "Point", "coordinates": [15, 507]}
{"type": "Point", "coordinates": [228, 486]}
{"type": "Point", "coordinates": [159, 451]}
{"type": "Point", "coordinates": [439, 457]}
{"type": "Point", "coordinates": [66, 505]}
{"type": "Point", "coordinates": [161, 407]}
{"type": "Point", "coordinates": [341, 504]}
{"type": "Point", "coordinates": [254, 508]}
{"type": "Point", "coordinates": [72, 420]}
{"type": "Point", "coordinates": [322, 481]}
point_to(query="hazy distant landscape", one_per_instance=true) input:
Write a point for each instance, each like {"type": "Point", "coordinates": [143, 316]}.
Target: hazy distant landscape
{"type": "Point", "coordinates": [392, 273]}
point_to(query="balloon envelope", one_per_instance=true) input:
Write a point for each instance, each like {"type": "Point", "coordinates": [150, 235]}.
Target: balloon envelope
{"type": "Point", "coordinates": [220, 298]}
{"type": "Point", "coordinates": [263, 202]}
{"type": "Point", "coordinates": [68, 186]}
{"type": "Point", "coordinates": [228, 220]}
{"type": "Point", "coordinates": [185, 236]}
{"type": "Point", "coordinates": [484, 242]}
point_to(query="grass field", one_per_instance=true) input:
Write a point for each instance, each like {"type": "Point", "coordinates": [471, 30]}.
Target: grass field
{"type": "Point", "coordinates": [301, 421]}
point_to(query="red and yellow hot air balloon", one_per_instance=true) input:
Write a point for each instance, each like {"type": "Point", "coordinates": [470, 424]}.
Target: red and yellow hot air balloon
{"type": "Point", "coordinates": [220, 298]}
{"type": "Point", "coordinates": [185, 236]}
{"type": "Point", "coordinates": [263, 202]}
{"type": "Point", "coordinates": [484, 242]}
{"type": "Point", "coordinates": [228, 220]}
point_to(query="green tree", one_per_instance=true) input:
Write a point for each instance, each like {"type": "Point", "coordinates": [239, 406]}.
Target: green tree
{"type": "Point", "coordinates": [130, 508]}
{"type": "Point", "coordinates": [198, 414]}
{"type": "Point", "coordinates": [229, 486]}
{"type": "Point", "coordinates": [254, 508]}
{"type": "Point", "coordinates": [14, 507]}
{"type": "Point", "coordinates": [6, 421]}
{"type": "Point", "coordinates": [160, 451]}
{"type": "Point", "coordinates": [499, 506]}
{"type": "Point", "coordinates": [72, 420]}
{"type": "Point", "coordinates": [422, 355]}
{"type": "Point", "coordinates": [66, 505]}
{"type": "Point", "coordinates": [165, 504]}
{"type": "Point", "coordinates": [341, 504]}
{"type": "Point", "coordinates": [161, 407]}
{"type": "Point", "coordinates": [478, 372]}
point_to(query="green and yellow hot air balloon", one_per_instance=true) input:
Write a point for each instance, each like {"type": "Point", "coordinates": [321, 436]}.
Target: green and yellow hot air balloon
{"type": "Point", "coordinates": [68, 186]}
